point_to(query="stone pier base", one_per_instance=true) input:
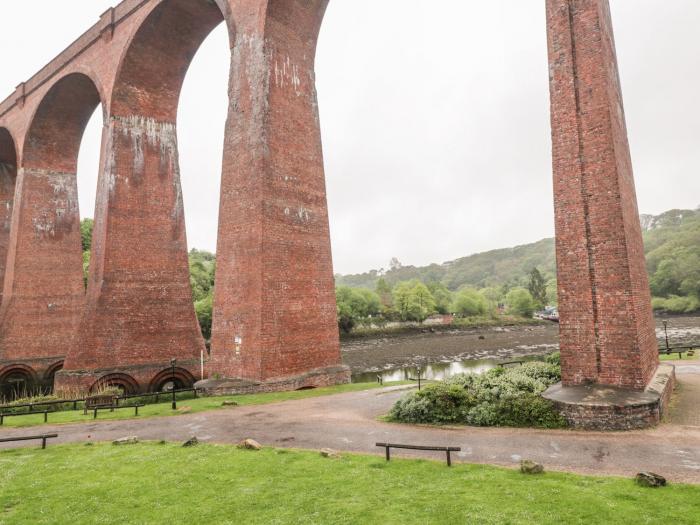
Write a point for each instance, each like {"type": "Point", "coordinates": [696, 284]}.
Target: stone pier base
{"type": "Point", "coordinates": [337, 375]}
{"type": "Point", "coordinates": [599, 407]}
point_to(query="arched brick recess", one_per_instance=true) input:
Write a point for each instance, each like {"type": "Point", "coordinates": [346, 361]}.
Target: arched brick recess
{"type": "Point", "coordinates": [50, 374]}
{"type": "Point", "coordinates": [26, 372]}
{"type": "Point", "coordinates": [8, 177]}
{"type": "Point", "coordinates": [124, 381]}
{"type": "Point", "coordinates": [182, 377]}
{"type": "Point", "coordinates": [44, 295]}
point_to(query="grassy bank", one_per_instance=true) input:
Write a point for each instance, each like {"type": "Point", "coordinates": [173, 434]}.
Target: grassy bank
{"type": "Point", "coordinates": [467, 323]}
{"type": "Point", "coordinates": [185, 406]}
{"type": "Point", "coordinates": [153, 483]}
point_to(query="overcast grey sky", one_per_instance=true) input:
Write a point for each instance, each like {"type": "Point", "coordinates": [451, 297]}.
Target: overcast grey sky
{"type": "Point", "coordinates": [435, 118]}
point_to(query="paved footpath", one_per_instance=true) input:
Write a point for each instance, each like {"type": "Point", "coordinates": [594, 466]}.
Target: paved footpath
{"type": "Point", "coordinates": [348, 422]}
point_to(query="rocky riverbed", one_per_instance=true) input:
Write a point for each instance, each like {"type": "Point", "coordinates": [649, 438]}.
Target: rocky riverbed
{"type": "Point", "coordinates": [386, 354]}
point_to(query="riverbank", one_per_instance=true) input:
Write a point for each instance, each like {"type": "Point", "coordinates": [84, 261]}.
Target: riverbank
{"type": "Point", "coordinates": [446, 345]}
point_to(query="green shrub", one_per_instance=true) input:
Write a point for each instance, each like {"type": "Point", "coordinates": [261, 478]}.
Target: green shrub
{"type": "Point", "coordinates": [500, 397]}
{"type": "Point", "coordinates": [676, 304]}
{"type": "Point", "coordinates": [520, 302]}
{"type": "Point", "coordinates": [554, 359]}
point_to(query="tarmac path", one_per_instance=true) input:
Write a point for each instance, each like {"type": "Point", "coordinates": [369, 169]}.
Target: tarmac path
{"type": "Point", "coordinates": [348, 422]}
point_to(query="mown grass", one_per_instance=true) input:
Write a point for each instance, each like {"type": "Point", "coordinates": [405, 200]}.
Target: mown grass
{"type": "Point", "coordinates": [153, 483]}
{"type": "Point", "coordinates": [185, 406]}
{"type": "Point", "coordinates": [674, 357]}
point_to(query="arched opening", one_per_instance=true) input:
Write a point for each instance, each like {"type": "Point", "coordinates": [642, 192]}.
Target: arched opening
{"type": "Point", "coordinates": [140, 187]}
{"type": "Point", "coordinates": [8, 177]}
{"type": "Point", "coordinates": [444, 140]}
{"type": "Point", "coordinates": [50, 375]}
{"type": "Point", "coordinates": [126, 384]}
{"type": "Point", "coordinates": [46, 297]}
{"type": "Point", "coordinates": [167, 380]}
{"type": "Point", "coordinates": [16, 382]}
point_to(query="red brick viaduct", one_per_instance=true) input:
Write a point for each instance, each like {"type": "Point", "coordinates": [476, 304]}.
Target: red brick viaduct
{"type": "Point", "coordinates": [274, 314]}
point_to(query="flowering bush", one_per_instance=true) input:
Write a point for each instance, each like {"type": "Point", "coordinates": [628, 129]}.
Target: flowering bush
{"type": "Point", "coordinates": [500, 397]}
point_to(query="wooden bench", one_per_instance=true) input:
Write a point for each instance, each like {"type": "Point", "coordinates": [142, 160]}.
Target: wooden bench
{"type": "Point", "coordinates": [4, 415]}
{"type": "Point", "coordinates": [112, 408]}
{"type": "Point", "coordinates": [101, 401]}
{"type": "Point", "coordinates": [447, 450]}
{"type": "Point", "coordinates": [43, 439]}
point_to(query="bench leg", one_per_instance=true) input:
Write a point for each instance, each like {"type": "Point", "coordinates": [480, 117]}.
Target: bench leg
{"type": "Point", "coordinates": [43, 443]}
{"type": "Point", "coordinates": [46, 417]}
{"type": "Point", "coordinates": [388, 453]}
{"type": "Point", "coordinates": [449, 459]}
{"type": "Point", "coordinates": [137, 410]}
{"type": "Point", "coordinates": [95, 416]}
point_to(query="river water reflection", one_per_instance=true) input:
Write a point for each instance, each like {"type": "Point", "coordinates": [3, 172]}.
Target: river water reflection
{"type": "Point", "coordinates": [438, 371]}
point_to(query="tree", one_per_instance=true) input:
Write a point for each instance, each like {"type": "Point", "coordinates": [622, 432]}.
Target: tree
{"type": "Point", "coordinates": [86, 227]}
{"type": "Point", "coordinates": [355, 305]}
{"type": "Point", "coordinates": [469, 303]}
{"type": "Point", "coordinates": [442, 296]}
{"type": "Point", "coordinates": [413, 301]}
{"type": "Point", "coordinates": [384, 292]}
{"type": "Point", "coordinates": [204, 310]}
{"type": "Point", "coordinates": [395, 264]}
{"type": "Point", "coordinates": [520, 302]}
{"type": "Point", "coordinates": [537, 287]}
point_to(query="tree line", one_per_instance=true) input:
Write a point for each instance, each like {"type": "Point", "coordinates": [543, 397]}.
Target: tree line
{"type": "Point", "coordinates": [416, 300]}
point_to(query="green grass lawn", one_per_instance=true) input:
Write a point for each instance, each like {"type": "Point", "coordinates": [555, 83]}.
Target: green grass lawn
{"type": "Point", "coordinates": [153, 483]}
{"type": "Point", "coordinates": [674, 357]}
{"type": "Point", "coordinates": [185, 406]}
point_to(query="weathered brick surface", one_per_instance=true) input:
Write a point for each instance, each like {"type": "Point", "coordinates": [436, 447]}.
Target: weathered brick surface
{"type": "Point", "coordinates": [606, 329]}
{"type": "Point", "coordinates": [274, 298]}
{"type": "Point", "coordinates": [274, 318]}
{"type": "Point", "coordinates": [8, 176]}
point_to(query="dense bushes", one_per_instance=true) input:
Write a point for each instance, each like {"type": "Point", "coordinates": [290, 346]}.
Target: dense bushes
{"type": "Point", "coordinates": [676, 304]}
{"type": "Point", "coordinates": [500, 397]}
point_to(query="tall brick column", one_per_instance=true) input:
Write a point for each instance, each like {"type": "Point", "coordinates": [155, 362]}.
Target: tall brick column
{"type": "Point", "coordinates": [275, 311]}
{"type": "Point", "coordinates": [607, 328]}
{"type": "Point", "coordinates": [8, 177]}
{"type": "Point", "coordinates": [139, 310]}
{"type": "Point", "coordinates": [44, 291]}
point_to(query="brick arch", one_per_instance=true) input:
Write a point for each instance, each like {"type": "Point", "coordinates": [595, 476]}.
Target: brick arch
{"type": "Point", "coordinates": [56, 130]}
{"type": "Point", "coordinates": [8, 179]}
{"type": "Point", "coordinates": [181, 376]}
{"type": "Point", "coordinates": [120, 380]}
{"type": "Point", "coordinates": [28, 373]}
{"type": "Point", "coordinates": [153, 67]}
{"type": "Point", "coordinates": [51, 371]}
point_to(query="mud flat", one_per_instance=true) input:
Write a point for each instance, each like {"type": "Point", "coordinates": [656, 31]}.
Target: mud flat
{"type": "Point", "coordinates": [407, 351]}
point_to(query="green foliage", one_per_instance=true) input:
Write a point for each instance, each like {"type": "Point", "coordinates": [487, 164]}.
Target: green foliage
{"type": "Point", "coordinates": [520, 302]}
{"type": "Point", "coordinates": [86, 227]}
{"type": "Point", "coordinates": [442, 296]}
{"type": "Point", "coordinates": [469, 303]}
{"type": "Point", "coordinates": [356, 305]}
{"type": "Point", "coordinates": [202, 275]}
{"type": "Point", "coordinates": [537, 286]}
{"type": "Point", "coordinates": [676, 305]}
{"type": "Point", "coordinates": [673, 260]}
{"type": "Point", "coordinates": [413, 301]}
{"type": "Point", "coordinates": [204, 310]}
{"type": "Point", "coordinates": [384, 292]}
{"type": "Point", "coordinates": [500, 397]}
